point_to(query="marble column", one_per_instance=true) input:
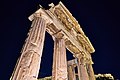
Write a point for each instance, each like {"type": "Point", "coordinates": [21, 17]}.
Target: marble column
{"type": "Point", "coordinates": [59, 71]}
{"type": "Point", "coordinates": [28, 65]}
{"type": "Point", "coordinates": [79, 71]}
{"type": "Point", "coordinates": [82, 71]}
{"type": "Point", "coordinates": [90, 71]}
{"type": "Point", "coordinates": [71, 72]}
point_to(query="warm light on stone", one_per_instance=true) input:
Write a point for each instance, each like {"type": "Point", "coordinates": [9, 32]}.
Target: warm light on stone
{"type": "Point", "coordinates": [67, 34]}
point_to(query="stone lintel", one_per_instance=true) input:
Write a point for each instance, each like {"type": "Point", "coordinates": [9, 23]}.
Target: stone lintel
{"type": "Point", "coordinates": [66, 17]}
{"type": "Point", "coordinates": [65, 22]}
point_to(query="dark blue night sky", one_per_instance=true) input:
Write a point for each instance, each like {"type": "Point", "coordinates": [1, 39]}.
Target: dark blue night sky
{"type": "Point", "coordinates": [100, 20]}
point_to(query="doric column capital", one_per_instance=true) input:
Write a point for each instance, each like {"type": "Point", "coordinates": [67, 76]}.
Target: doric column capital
{"type": "Point", "coordinates": [37, 14]}
{"type": "Point", "coordinates": [41, 13]}
{"type": "Point", "coordinates": [89, 61]}
{"type": "Point", "coordinates": [58, 35]}
{"type": "Point", "coordinates": [81, 57]}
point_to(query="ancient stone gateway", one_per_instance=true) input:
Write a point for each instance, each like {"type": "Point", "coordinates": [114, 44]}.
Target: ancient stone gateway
{"type": "Point", "coordinates": [66, 33]}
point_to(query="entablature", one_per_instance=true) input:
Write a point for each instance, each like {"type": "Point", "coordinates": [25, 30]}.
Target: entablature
{"type": "Point", "coordinates": [58, 18]}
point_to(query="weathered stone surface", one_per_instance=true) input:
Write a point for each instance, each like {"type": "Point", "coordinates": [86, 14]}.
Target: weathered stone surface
{"type": "Point", "coordinates": [90, 72]}
{"type": "Point", "coordinates": [66, 33]}
{"type": "Point", "coordinates": [71, 73]}
{"type": "Point", "coordinates": [29, 63]}
{"type": "Point", "coordinates": [59, 61]}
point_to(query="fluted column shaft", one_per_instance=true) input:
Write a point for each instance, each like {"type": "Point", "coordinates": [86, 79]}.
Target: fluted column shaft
{"type": "Point", "coordinates": [28, 65]}
{"type": "Point", "coordinates": [90, 72]}
{"type": "Point", "coordinates": [79, 71]}
{"type": "Point", "coordinates": [82, 71]}
{"type": "Point", "coordinates": [59, 71]}
{"type": "Point", "coordinates": [71, 72]}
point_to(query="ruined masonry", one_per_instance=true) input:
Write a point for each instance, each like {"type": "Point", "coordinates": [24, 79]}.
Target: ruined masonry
{"type": "Point", "coordinates": [66, 34]}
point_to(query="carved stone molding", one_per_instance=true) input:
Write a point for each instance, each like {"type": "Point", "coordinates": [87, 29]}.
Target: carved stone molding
{"type": "Point", "coordinates": [66, 33]}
